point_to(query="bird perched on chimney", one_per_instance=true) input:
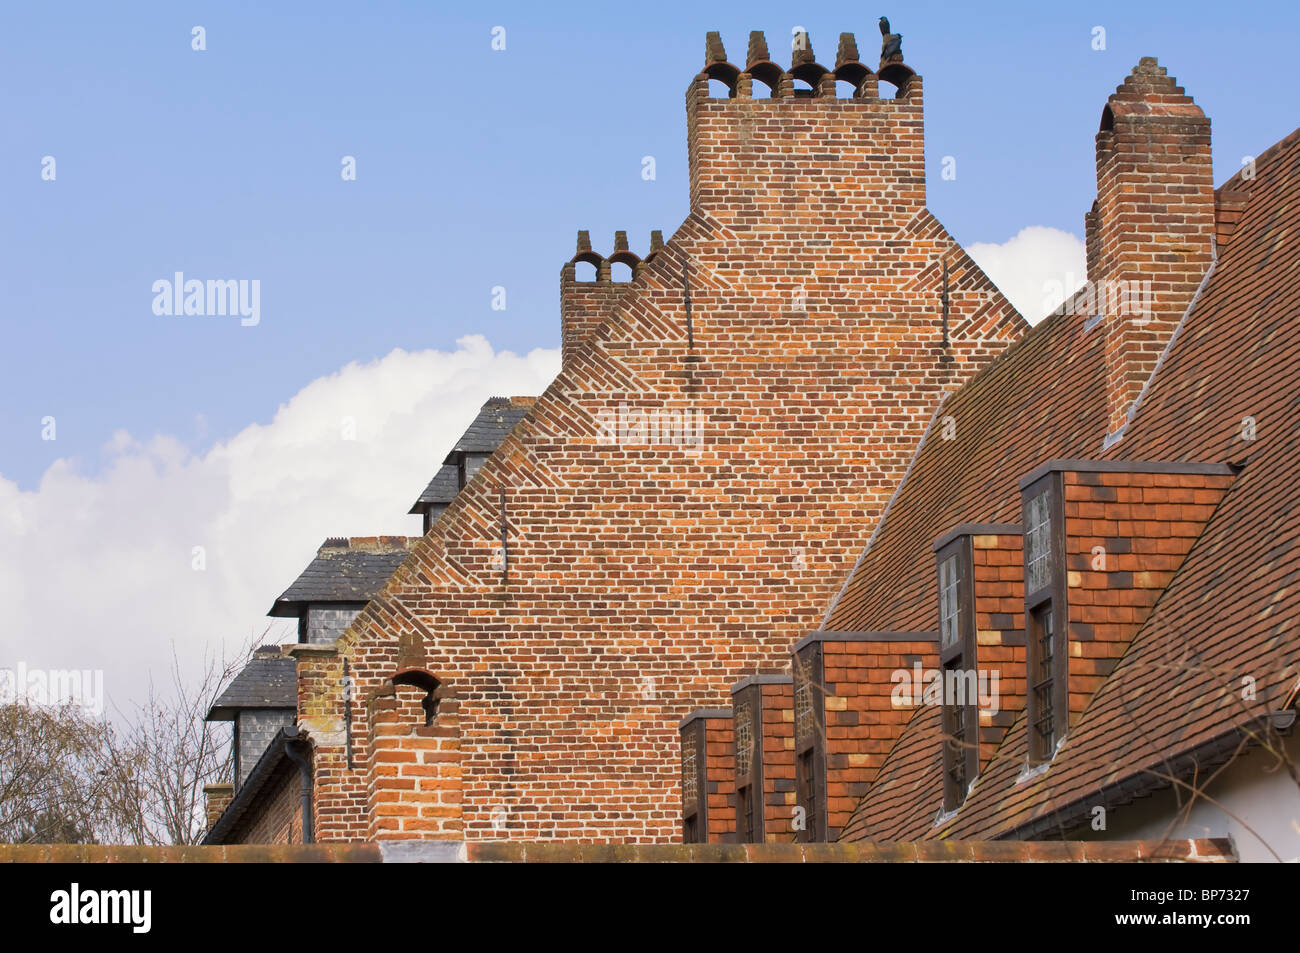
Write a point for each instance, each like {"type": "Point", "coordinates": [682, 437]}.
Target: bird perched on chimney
{"type": "Point", "coordinates": [891, 44]}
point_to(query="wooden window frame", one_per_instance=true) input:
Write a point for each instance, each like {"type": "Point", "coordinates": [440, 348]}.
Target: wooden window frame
{"type": "Point", "coordinates": [960, 654]}
{"type": "Point", "coordinates": [1050, 598]}
{"type": "Point", "coordinates": [695, 814]}
{"type": "Point", "coordinates": [747, 826]}
{"type": "Point", "coordinates": [810, 747]}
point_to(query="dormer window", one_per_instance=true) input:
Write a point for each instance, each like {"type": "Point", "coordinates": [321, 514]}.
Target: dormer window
{"type": "Point", "coordinates": [1045, 616]}
{"type": "Point", "coordinates": [749, 775]}
{"type": "Point", "coordinates": [1043, 682]}
{"type": "Point", "coordinates": [957, 655]}
{"type": "Point", "coordinates": [1038, 542]}
{"type": "Point", "coordinates": [810, 744]}
{"type": "Point", "coordinates": [693, 804]}
{"type": "Point", "coordinates": [949, 604]}
{"type": "Point", "coordinates": [470, 464]}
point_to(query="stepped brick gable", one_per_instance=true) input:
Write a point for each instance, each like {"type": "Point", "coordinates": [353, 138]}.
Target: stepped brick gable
{"type": "Point", "coordinates": [687, 496]}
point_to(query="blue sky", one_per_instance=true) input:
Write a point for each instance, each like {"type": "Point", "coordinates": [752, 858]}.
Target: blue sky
{"type": "Point", "coordinates": [474, 169]}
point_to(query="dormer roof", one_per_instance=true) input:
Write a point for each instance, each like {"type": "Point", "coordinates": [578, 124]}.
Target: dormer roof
{"type": "Point", "coordinates": [269, 680]}
{"type": "Point", "coordinates": [345, 570]}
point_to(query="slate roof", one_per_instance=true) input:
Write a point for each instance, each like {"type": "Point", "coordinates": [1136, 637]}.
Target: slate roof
{"type": "Point", "coordinates": [494, 421]}
{"type": "Point", "coordinates": [1230, 610]}
{"type": "Point", "coordinates": [344, 570]}
{"type": "Point", "coordinates": [269, 680]}
{"type": "Point", "coordinates": [496, 418]}
{"type": "Point", "coordinates": [441, 489]}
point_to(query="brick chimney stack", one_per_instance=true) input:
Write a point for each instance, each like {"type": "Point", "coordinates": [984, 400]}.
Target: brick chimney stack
{"type": "Point", "coordinates": [585, 304]}
{"type": "Point", "coordinates": [785, 154]}
{"type": "Point", "coordinates": [1150, 233]}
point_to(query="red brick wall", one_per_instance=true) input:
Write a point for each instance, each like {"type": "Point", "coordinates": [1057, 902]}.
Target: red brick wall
{"type": "Point", "coordinates": [217, 798]}
{"type": "Point", "coordinates": [414, 769]}
{"type": "Point", "coordinates": [585, 304]}
{"type": "Point", "coordinates": [1205, 850]}
{"type": "Point", "coordinates": [279, 819]}
{"type": "Point", "coordinates": [339, 794]}
{"type": "Point", "coordinates": [643, 578]}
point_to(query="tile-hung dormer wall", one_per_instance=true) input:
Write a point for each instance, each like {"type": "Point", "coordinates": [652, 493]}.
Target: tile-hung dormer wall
{"type": "Point", "coordinates": [846, 719]}
{"type": "Point", "coordinates": [254, 729]}
{"type": "Point", "coordinates": [981, 646]}
{"type": "Point", "coordinates": [707, 776]}
{"type": "Point", "coordinates": [763, 729]}
{"type": "Point", "coordinates": [322, 623]}
{"type": "Point", "coordinates": [259, 701]}
{"type": "Point", "coordinates": [470, 464]}
{"type": "Point", "coordinates": [1102, 540]}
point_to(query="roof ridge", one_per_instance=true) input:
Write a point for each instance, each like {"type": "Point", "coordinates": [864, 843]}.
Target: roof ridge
{"type": "Point", "coordinates": [1268, 155]}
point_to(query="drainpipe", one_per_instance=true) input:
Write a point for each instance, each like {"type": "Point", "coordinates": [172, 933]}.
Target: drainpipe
{"type": "Point", "coordinates": [296, 749]}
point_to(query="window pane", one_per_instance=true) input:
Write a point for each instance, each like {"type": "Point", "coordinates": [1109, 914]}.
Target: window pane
{"type": "Point", "coordinates": [744, 740]}
{"type": "Point", "coordinates": [690, 788]}
{"type": "Point", "coordinates": [1045, 684]}
{"type": "Point", "coordinates": [949, 605]}
{"type": "Point", "coordinates": [1038, 542]}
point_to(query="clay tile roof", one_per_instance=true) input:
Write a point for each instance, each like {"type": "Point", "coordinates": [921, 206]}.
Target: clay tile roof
{"type": "Point", "coordinates": [1004, 427]}
{"type": "Point", "coordinates": [269, 680]}
{"type": "Point", "coordinates": [1230, 610]}
{"type": "Point", "coordinates": [344, 570]}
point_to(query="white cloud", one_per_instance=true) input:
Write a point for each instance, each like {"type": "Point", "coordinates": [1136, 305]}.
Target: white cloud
{"type": "Point", "coordinates": [95, 572]}
{"type": "Point", "coordinates": [1035, 269]}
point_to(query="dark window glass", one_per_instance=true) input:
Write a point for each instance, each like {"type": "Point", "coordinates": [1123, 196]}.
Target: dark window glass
{"type": "Point", "coordinates": [808, 793]}
{"type": "Point", "coordinates": [959, 738]}
{"type": "Point", "coordinates": [1044, 683]}
{"type": "Point", "coordinates": [745, 814]}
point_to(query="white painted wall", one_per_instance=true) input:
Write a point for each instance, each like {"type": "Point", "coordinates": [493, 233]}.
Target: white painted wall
{"type": "Point", "coordinates": [1257, 805]}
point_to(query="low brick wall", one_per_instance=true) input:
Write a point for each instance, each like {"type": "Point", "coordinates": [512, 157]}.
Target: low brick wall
{"type": "Point", "coordinates": [1209, 850]}
{"type": "Point", "coordinates": [931, 851]}
{"type": "Point", "coordinates": [354, 853]}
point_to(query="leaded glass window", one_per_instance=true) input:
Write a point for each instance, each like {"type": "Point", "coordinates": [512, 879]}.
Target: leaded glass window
{"type": "Point", "coordinates": [804, 720]}
{"type": "Point", "coordinates": [744, 740]}
{"type": "Point", "coordinates": [690, 770]}
{"type": "Point", "coordinates": [1044, 683]}
{"type": "Point", "coordinates": [949, 603]}
{"type": "Point", "coordinates": [1038, 542]}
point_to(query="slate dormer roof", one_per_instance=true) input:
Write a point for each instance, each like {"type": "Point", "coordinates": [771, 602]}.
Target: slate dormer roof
{"type": "Point", "coordinates": [442, 489]}
{"type": "Point", "coordinates": [344, 570]}
{"type": "Point", "coordinates": [494, 421]}
{"type": "Point", "coordinates": [496, 418]}
{"type": "Point", "coordinates": [269, 680]}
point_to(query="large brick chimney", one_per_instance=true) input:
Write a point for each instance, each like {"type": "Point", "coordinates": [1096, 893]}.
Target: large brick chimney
{"type": "Point", "coordinates": [1150, 233]}
{"type": "Point", "coordinates": [752, 157]}
{"type": "Point", "coordinates": [585, 304]}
